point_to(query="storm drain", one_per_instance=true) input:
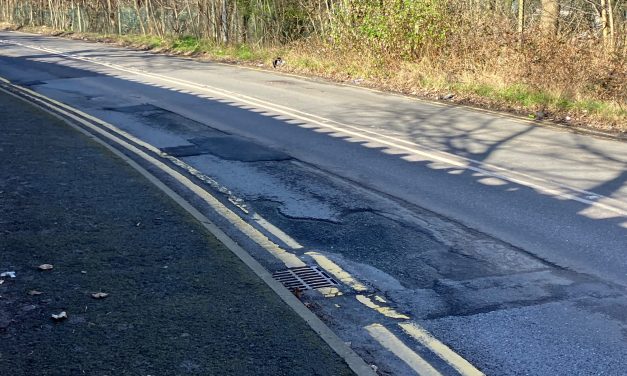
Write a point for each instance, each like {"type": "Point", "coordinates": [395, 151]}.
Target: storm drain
{"type": "Point", "coordinates": [304, 278]}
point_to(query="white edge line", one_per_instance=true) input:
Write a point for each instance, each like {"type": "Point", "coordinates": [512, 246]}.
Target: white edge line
{"type": "Point", "coordinates": [356, 363]}
{"type": "Point", "coordinates": [322, 80]}
{"type": "Point", "coordinates": [431, 153]}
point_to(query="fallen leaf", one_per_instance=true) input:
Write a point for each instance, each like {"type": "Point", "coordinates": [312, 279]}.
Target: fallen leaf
{"type": "Point", "coordinates": [99, 295]}
{"type": "Point", "coordinates": [8, 274]}
{"type": "Point", "coordinates": [34, 292]}
{"type": "Point", "coordinates": [61, 316]}
{"type": "Point", "coordinates": [45, 267]}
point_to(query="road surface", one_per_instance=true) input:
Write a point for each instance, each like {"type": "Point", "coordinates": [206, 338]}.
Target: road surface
{"type": "Point", "coordinates": [504, 240]}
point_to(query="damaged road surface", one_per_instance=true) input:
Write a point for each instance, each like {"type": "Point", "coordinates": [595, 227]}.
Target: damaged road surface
{"type": "Point", "coordinates": [446, 241]}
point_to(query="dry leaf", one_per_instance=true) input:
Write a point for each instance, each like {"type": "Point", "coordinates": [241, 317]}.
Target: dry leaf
{"type": "Point", "coordinates": [8, 274]}
{"type": "Point", "coordinates": [61, 316]}
{"type": "Point", "coordinates": [45, 267]}
{"type": "Point", "coordinates": [99, 295]}
{"type": "Point", "coordinates": [34, 292]}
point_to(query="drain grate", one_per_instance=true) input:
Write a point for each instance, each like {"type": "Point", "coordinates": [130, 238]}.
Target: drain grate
{"type": "Point", "coordinates": [304, 278]}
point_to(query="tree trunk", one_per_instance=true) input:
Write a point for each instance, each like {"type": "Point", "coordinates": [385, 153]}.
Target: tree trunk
{"type": "Point", "coordinates": [610, 20]}
{"type": "Point", "coordinates": [550, 16]}
{"type": "Point", "coordinates": [521, 20]}
{"type": "Point", "coordinates": [224, 22]}
{"type": "Point", "coordinates": [604, 28]}
{"type": "Point", "coordinates": [78, 18]}
{"type": "Point", "coordinates": [139, 17]}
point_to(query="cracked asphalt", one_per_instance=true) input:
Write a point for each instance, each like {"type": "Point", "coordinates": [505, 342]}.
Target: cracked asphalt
{"type": "Point", "coordinates": [180, 303]}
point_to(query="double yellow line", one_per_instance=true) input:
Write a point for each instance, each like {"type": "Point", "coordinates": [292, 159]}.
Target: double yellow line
{"type": "Point", "coordinates": [108, 135]}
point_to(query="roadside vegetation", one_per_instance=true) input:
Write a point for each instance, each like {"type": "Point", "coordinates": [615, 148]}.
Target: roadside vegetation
{"type": "Point", "coordinates": [564, 60]}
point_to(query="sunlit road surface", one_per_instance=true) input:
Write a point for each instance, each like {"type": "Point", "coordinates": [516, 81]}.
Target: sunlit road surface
{"type": "Point", "coordinates": [504, 240]}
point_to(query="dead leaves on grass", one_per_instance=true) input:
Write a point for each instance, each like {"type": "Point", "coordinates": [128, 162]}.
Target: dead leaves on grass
{"type": "Point", "coordinates": [99, 295]}
{"type": "Point", "coordinates": [59, 317]}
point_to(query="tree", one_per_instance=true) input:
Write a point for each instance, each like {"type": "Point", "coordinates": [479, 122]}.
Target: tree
{"type": "Point", "coordinates": [550, 16]}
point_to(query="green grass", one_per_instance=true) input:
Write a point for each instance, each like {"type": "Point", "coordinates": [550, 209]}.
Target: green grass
{"type": "Point", "coordinates": [191, 45]}
{"type": "Point", "coordinates": [148, 41]}
{"type": "Point", "coordinates": [534, 99]}
{"type": "Point", "coordinates": [186, 44]}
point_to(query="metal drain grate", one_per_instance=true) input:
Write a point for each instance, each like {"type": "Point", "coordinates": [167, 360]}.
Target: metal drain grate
{"type": "Point", "coordinates": [304, 278]}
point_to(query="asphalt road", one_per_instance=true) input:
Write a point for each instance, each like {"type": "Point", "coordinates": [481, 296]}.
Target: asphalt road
{"type": "Point", "coordinates": [179, 302]}
{"type": "Point", "coordinates": [503, 239]}
{"type": "Point", "coordinates": [582, 235]}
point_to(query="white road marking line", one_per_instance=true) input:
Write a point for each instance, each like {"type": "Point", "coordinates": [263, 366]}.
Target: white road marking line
{"type": "Point", "coordinates": [388, 340]}
{"type": "Point", "coordinates": [440, 349]}
{"type": "Point", "coordinates": [339, 273]}
{"type": "Point", "coordinates": [385, 311]}
{"type": "Point", "coordinates": [434, 154]}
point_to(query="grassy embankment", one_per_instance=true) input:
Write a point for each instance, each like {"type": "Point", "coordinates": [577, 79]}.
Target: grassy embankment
{"type": "Point", "coordinates": [488, 84]}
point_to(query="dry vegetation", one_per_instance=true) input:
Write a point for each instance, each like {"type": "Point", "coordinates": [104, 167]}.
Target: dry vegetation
{"type": "Point", "coordinates": [567, 63]}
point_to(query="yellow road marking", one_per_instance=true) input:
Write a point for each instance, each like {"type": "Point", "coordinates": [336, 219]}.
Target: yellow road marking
{"type": "Point", "coordinates": [443, 351]}
{"type": "Point", "coordinates": [386, 311]}
{"type": "Point", "coordinates": [285, 238]}
{"type": "Point", "coordinates": [289, 259]}
{"type": "Point", "coordinates": [377, 331]}
{"type": "Point", "coordinates": [337, 271]}
{"type": "Point", "coordinates": [388, 340]}
{"type": "Point", "coordinates": [329, 292]}
{"type": "Point", "coordinates": [380, 299]}
{"type": "Point", "coordinates": [355, 362]}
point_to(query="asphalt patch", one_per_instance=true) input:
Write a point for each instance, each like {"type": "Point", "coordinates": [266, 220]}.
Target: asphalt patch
{"type": "Point", "coordinates": [238, 149]}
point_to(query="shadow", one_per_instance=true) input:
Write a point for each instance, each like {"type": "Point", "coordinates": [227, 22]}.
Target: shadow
{"type": "Point", "coordinates": [525, 216]}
